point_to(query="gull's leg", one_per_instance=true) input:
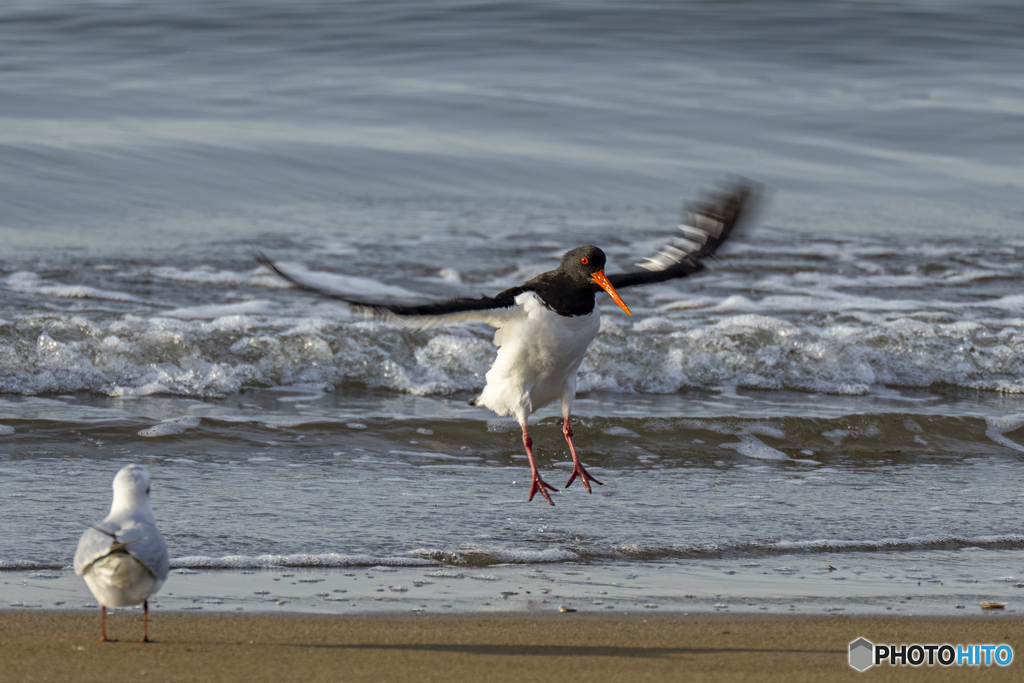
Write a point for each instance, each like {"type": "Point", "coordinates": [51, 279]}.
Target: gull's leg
{"type": "Point", "coordinates": [538, 483]}
{"type": "Point", "coordinates": [578, 469]}
{"type": "Point", "coordinates": [145, 622]}
{"type": "Point", "coordinates": [103, 623]}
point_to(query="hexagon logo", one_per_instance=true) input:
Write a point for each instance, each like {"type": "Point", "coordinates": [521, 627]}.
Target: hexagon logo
{"type": "Point", "coordinates": [862, 653]}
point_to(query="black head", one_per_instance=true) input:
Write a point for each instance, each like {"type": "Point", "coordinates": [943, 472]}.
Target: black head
{"type": "Point", "coordinates": [570, 289]}
{"type": "Point", "coordinates": [581, 263]}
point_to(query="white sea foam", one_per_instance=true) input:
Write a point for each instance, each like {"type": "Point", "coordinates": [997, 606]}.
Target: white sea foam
{"type": "Point", "coordinates": [620, 431]}
{"type": "Point", "coordinates": [24, 281]}
{"type": "Point", "coordinates": [345, 284]}
{"type": "Point", "coordinates": [521, 556]}
{"type": "Point", "coordinates": [912, 543]}
{"type": "Point", "coordinates": [1013, 302]}
{"type": "Point", "coordinates": [221, 349]}
{"type": "Point", "coordinates": [485, 556]}
{"type": "Point", "coordinates": [836, 436]}
{"type": "Point", "coordinates": [752, 447]}
{"type": "Point", "coordinates": [677, 304]}
{"type": "Point", "coordinates": [6, 430]}
{"type": "Point", "coordinates": [450, 275]}
{"type": "Point", "coordinates": [476, 555]}
{"type": "Point", "coordinates": [169, 427]}
{"type": "Point", "coordinates": [738, 302]}
{"type": "Point", "coordinates": [295, 560]}
{"type": "Point", "coordinates": [736, 427]}
{"type": "Point", "coordinates": [259, 277]}
{"type": "Point", "coordinates": [998, 426]}
{"type": "Point", "coordinates": [32, 564]}
{"type": "Point", "coordinates": [257, 307]}
{"type": "Point", "coordinates": [432, 455]}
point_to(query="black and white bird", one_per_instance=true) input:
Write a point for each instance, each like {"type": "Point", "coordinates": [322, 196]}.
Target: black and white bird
{"type": "Point", "coordinates": [124, 559]}
{"type": "Point", "coordinates": [545, 325]}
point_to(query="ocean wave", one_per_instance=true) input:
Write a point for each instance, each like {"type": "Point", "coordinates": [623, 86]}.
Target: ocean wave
{"type": "Point", "coordinates": [757, 351]}
{"type": "Point", "coordinates": [325, 560]}
{"type": "Point", "coordinates": [258, 277]}
{"type": "Point", "coordinates": [27, 565]}
{"type": "Point", "coordinates": [481, 557]}
{"type": "Point", "coordinates": [31, 283]}
{"type": "Point", "coordinates": [831, 545]}
{"type": "Point", "coordinates": [263, 277]}
{"type": "Point", "coordinates": [216, 351]}
{"type": "Point", "coordinates": [171, 426]}
{"type": "Point", "coordinates": [224, 312]}
{"type": "Point", "coordinates": [752, 447]}
{"type": "Point", "coordinates": [488, 556]}
{"type": "Point", "coordinates": [999, 426]}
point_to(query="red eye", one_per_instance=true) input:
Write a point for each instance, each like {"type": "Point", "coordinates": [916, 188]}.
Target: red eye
{"type": "Point", "coordinates": [584, 260]}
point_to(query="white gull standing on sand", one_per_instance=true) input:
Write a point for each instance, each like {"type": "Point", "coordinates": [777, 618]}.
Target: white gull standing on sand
{"type": "Point", "coordinates": [123, 559]}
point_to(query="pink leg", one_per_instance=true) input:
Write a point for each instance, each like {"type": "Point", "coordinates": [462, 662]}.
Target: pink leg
{"type": "Point", "coordinates": [578, 470]}
{"type": "Point", "coordinates": [145, 622]}
{"type": "Point", "coordinates": [538, 483]}
{"type": "Point", "coordinates": [103, 624]}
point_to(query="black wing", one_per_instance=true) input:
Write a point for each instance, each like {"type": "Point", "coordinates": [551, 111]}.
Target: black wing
{"type": "Point", "coordinates": [709, 222]}
{"type": "Point", "coordinates": [448, 307]}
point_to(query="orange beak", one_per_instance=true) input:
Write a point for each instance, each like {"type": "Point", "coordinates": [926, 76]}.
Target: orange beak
{"type": "Point", "coordinates": [603, 283]}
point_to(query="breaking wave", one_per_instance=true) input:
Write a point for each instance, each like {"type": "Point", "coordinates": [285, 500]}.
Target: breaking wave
{"type": "Point", "coordinates": [484, 557]}
{"type": "Point", "coordinates": [221, 350]}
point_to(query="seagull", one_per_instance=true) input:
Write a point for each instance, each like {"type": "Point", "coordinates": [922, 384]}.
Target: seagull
{"type": "Point", "coordinates": [123, 559]}
{"type": "Point", "coordinates": [545, 325]}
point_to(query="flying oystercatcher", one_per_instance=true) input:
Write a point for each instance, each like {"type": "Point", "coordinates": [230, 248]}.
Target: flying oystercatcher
{"type": "Point", "coordinates": [545, 325]}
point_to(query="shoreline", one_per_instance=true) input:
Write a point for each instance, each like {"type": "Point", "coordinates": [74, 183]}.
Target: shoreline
{"type": "Point", "coordinates": [36, 646]}
{"type": "Point", "coordinates": [930, 583]}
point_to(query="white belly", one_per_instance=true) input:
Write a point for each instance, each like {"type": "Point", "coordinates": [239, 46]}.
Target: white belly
{"type": "Point", "coordinates": [538, 356]}
{"type": "Point", "coordinates": [119, 579]}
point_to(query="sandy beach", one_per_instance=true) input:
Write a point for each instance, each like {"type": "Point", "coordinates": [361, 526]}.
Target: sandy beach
{"type": "Point", "coordinates": [56, 646]}
{"type": "Point", "coordinates": [813, 435]}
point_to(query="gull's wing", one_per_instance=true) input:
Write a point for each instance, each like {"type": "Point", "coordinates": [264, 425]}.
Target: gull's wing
{"type": "Point", "coordinates": [708, 223]}
{"type": "Point", "coordinates": [148, 547]}
{"type": "Point", "coordinates": [143, 542]}
{"type": "Point", "coordinates": [491, 310]}
{"type": "Point", "coordinates": [93, 545]}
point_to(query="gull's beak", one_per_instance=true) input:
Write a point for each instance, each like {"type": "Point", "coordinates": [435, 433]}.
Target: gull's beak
{"type": "Point", "coordinates": [603, 283]}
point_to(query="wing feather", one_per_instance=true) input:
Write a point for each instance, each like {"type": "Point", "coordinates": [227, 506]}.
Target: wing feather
{"type": "Point", "coordinates": [709, 222]}
{"type": "Point", "coordinates": [491, 310]}
{"type": "Point", "coordinates": [143, 540]}
{"type": "Point", "coordinates": [148, 547]}
{"type": "Point", "coordinates": [91, 546]}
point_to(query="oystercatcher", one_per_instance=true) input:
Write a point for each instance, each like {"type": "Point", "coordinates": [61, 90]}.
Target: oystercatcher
{"type": "Point", "coordinates": [123, 559]}
{"type": "Point", "coordinates": [545, 325]}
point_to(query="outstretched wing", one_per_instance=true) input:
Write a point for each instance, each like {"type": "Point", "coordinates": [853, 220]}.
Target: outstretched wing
{"type": "Point", "coordinates": [485, 309]}
{"type": "Point", "coordinates": [710, 221]}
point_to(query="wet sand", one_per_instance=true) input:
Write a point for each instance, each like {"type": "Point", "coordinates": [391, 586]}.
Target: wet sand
{"type": "Point", "coordinates": [56, 646]}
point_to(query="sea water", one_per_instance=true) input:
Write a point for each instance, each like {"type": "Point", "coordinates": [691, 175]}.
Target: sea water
{"type": "Point", "coordinates": [832, 418]}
